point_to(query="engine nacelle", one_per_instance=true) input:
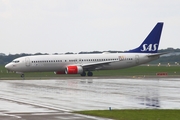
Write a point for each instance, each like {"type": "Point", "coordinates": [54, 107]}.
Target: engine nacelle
{"type": "Point", "coordinates": [74, 70]}
{"type": "Point", "coordinates": [59, 72]}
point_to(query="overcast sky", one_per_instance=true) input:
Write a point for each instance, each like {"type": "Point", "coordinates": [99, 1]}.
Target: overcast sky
{"type": "Point", "coordinates": [58, 26]}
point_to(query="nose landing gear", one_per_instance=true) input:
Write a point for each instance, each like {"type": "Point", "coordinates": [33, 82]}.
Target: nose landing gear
{"type": "Point", "coordinates": [22, 76]}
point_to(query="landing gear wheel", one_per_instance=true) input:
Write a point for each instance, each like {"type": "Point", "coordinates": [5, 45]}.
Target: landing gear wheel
{"type": "Point", "coordinates": [22, 76]}
{"type": "Point", "coordinates": [83, 74]}
{"type": "Point", "coordinates": [90, 73]}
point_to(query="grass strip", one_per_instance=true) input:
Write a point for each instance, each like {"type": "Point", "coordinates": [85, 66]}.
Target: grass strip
{"type": "Point", "coordinates": [141, 114]}
{"type": "Point", "coordinates": [134, 71]}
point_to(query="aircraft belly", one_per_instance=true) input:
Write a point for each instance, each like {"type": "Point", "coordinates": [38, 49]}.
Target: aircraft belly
{"type": "Point", "coordinates": [44, 68]}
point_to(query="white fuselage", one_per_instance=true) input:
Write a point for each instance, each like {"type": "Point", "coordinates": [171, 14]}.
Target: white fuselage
{"type": "Point", "coordinates": [58, 63]}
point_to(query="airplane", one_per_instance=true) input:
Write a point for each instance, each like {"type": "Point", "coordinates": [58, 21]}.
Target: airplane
{"type": "Point", "coordinates": [84, 64]}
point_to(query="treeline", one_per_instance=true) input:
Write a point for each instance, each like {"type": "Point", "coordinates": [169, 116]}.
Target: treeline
{"type": "Point", "coordinates": [172, 57]}
{"type": "Point", "coordinates": [4, 59]}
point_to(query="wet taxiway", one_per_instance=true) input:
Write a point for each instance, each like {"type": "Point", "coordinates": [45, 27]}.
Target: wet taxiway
{"type": "Point", "coordinates": [55, 99]}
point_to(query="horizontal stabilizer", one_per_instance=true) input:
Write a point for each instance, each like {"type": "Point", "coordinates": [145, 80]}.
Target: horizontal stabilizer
{"type": "Point", "coordinates": [157, 54]}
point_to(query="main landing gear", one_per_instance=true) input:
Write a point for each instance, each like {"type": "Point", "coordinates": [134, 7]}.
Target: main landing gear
{"type": "Point", "coordinates": [89, 73]}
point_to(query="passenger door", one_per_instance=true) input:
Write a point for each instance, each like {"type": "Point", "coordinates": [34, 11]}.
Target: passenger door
{"type": "Point", "coordinates": [27, 62]}
{"type": "Point", "coordinates": [137, 59]}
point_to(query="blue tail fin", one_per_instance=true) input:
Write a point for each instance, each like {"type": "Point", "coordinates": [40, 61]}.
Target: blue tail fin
{"type": "Point", "coordinates": [151, 43]}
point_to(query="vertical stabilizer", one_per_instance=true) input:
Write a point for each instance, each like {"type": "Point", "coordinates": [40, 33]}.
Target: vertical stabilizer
{"type": "Point", "coordinates": [151, 43]}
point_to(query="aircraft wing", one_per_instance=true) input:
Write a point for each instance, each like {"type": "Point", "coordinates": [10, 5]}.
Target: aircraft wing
{"type": "Point", "coordinates": [95, 65]}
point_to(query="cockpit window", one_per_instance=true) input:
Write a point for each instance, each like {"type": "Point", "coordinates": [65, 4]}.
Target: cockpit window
{"type": "Point", "coordinates": [15, 61]}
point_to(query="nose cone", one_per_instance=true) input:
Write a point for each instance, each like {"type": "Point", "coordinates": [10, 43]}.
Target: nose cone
{"type": "Point", "coordinates": [8, 67]}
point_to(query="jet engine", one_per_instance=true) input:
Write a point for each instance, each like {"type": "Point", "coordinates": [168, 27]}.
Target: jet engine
{"type": "Point", "coordinates": [74, 70]}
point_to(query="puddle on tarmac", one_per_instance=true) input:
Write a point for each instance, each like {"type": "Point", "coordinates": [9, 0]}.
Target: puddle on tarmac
{"type": "Point", "coordinates": [88, 94]}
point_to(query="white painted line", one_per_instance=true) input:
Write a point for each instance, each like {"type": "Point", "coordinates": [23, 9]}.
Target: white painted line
{"type": "Point", "coordinates": [10, 115]}
{"type": "Point", "coordinates": [34, 104]}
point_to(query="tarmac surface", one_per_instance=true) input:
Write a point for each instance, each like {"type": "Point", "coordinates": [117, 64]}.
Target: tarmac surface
{"type": "Point", "coordinates": [56, 99]}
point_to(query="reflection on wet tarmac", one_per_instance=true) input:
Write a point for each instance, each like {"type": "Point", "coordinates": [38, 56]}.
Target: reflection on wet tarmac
{"type": "Point", "coordinates": [88, 94]}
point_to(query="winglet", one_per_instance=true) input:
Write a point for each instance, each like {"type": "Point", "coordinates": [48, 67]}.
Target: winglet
{"type": "Point", "coordinates": [151, 43]}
